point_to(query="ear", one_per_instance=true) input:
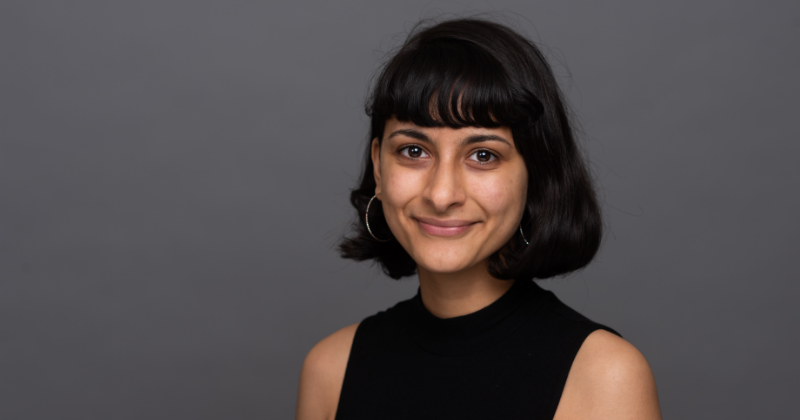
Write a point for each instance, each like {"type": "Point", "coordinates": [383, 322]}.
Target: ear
{"type": "Point", "coordinates": [376, 165]}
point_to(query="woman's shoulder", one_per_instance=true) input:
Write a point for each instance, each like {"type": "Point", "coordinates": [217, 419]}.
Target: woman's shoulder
{"type": "Point", "coordinates": [609, 379]}
{"type": "Point", "coordinates": [322, 375]}
{"type": "Point", "coordinates": [332, 351]}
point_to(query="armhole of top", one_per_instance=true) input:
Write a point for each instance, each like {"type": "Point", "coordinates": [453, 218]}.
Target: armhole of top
{"type": "Point", "coordinates": [589, 327]}
{"type": "Point", "coordinates": [360, 328]}
{"type": "Point", "coordinates": [562, 380]}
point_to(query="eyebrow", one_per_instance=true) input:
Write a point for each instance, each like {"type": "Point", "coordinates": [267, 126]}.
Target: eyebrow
{"type": "Point", "coordinates": [414, 134]}
{"type": "Point", "coordinates": [478, 138]}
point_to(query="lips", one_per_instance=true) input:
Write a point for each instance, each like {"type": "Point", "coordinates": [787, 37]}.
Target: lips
{"type": "Point", "coordinates": [438, 227]}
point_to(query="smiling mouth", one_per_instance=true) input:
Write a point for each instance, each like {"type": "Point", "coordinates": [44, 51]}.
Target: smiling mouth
{"type": "Point", "coordinates": [444, 227]}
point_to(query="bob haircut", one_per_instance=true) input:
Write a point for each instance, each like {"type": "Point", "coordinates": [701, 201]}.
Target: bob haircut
{"type": "Point", "coordinates": [471, 72]}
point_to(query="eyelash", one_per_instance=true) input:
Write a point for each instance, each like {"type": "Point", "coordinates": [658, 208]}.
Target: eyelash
{"type": "Point", "coordinates": [493, 157]}
{"type": "Point", "coordinates": [403, 151]}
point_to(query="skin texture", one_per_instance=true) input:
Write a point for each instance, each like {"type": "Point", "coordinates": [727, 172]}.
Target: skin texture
{"type": "Point", "coordinates": [429, 179]}
{"type": "Point", "coordinates": [473, 175]}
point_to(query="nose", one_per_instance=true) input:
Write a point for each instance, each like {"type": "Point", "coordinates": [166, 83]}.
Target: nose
{"type": "Point", "coordinates": [444, 189]}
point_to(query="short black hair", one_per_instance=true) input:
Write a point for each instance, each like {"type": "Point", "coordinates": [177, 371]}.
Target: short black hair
{"type": "Point", "coordinates": [474, 72]}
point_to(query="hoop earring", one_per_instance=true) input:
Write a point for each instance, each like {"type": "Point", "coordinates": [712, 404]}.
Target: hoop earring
{"type": "Point", "coordinates": [522, 234]}
{"type": "Point", "coordinates": [366, 219]}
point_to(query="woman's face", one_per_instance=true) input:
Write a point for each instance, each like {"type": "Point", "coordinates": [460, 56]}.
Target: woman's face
{"type": "Point", "coordinates": [451, 197]}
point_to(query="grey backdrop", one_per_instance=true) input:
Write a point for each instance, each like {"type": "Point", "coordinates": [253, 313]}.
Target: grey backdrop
{"type": "Point", "coordinates": [174, 176]}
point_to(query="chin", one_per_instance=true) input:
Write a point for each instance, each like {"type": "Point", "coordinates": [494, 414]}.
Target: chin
{"type": "Point", "coordinates": [443, 263]}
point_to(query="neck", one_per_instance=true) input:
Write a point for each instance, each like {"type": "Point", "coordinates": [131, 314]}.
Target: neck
{"type": "Point", "coordinates": [447, 295]}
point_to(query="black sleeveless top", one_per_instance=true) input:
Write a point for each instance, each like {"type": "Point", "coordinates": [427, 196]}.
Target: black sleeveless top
{"type": "Point", "coordinates": [507, 361]}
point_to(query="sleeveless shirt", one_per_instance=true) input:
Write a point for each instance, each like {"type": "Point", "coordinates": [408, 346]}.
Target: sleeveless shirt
{"type": "Point", "coordinates": [509, 360]}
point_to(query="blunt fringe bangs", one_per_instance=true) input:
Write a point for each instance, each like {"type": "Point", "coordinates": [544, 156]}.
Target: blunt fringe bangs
{"type": "Point", "coordinates": [472, 72]}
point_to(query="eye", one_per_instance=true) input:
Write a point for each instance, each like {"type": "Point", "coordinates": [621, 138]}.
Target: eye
{"type": "Point", "coordinates": [483, 156]}
{"type": "Point", "coordinates": [413, 152]}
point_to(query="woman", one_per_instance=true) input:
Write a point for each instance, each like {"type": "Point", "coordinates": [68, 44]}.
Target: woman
{"type": "Point", "coordinates": [474, 182]}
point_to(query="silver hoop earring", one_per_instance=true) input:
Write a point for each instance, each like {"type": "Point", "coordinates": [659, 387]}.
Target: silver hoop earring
{"type": "Point", "coordinates": [366, 219]}
{"type": "Point", "coordinates": [520, 234]}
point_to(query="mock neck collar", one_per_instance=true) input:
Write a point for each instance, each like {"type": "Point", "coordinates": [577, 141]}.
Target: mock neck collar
{"type": "Point", "coordinates": [473, 332]}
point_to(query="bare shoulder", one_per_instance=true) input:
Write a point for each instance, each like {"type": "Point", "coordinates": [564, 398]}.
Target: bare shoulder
{"type": "Point", "coordinates": [322, 375]}
{"type": "Point", "coordinates": [609, 379]}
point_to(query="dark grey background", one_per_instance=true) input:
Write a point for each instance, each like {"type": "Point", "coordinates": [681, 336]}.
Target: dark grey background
{"type": "Point", "coordinates": [174, 176]}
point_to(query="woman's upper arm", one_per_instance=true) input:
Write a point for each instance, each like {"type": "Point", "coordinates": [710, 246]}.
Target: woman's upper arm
{"type": "Point", "coordinates": [322, 376]}
{"type": "Point", "coordinates": [609, 379]}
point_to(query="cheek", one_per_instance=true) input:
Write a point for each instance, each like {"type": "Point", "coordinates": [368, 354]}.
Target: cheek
{"type": "Point", "coordinates": [400, 187]}
{"type": "Point", "coordinates": [502, 195]}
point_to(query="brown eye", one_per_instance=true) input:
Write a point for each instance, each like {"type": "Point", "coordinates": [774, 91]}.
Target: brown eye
{"type": "Point", "coordinates": [483, 156]}
{"type": "Point", "coordinates": [413, 152]}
